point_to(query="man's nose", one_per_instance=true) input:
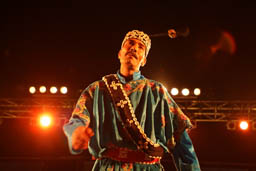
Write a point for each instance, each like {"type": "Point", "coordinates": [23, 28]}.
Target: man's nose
{"type": "Point", "coordinates": [134, 47]}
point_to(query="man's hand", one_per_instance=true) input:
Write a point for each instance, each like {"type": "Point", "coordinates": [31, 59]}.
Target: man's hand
{"type": "Point", "coordinates": [81, 137]}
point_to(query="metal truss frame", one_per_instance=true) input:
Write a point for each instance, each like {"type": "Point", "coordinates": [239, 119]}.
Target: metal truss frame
{"type": "Point", "coordinates": [218, 110]}
{"type": "Point", "coordinates": [197, 110]}
{"type": "Point", "coordinates": [19, 108]}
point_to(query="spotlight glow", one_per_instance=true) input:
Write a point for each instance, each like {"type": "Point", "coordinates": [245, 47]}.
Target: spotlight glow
{"type": "Point", "coordinates": [45, 120]}
{"type": "Point", "coordinates": [197, 91]}
{"type": "Point", "coordinates": [53, 90]}
{"type": "Point", "coordinates": [243, 125]}
{"type": "Point", "coordinates": [174, 91]}
{"type": "Point", "coordinates": [42, 89]}
{"type": "Point", "coordinates": [64, 90]}
{"type": "Point", "coordinates": [185, 92]}
{"type": "Point", "coordinates": [32, 90]}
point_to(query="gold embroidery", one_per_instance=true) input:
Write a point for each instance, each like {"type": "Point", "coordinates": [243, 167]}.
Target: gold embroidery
{"type": "Point", "coordinates": [122, 103]}
{"type": "Point", "coordinates": [134, 119]}
{"type": "Point", "coordinates": [114, 85]}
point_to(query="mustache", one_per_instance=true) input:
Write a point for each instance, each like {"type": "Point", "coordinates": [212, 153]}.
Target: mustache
{"type": "Point", "coordinates": [132, 54]}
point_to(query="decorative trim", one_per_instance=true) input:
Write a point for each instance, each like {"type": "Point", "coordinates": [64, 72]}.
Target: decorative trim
{"type": "Point", "coordinates": [130, 122]}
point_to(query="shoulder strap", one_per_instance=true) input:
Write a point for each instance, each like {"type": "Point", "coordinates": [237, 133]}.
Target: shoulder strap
{"type": "Point", "coordinates": [130, 123]}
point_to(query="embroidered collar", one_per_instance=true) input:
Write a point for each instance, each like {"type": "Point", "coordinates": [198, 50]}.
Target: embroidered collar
{"type": "Point", "coordinates": [136, 76]}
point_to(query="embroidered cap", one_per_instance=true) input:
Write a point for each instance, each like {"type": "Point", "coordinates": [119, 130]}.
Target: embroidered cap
{"type": "Point", "coordinates": [140, 35]}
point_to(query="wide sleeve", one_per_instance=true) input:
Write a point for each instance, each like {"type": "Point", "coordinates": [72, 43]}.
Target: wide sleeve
{"type": "Point", "coordinates": [180, 144]}
{"type": "Point", "coordinates": [80, 117]}
{"type": "Point", "coordinates": [184, 154]}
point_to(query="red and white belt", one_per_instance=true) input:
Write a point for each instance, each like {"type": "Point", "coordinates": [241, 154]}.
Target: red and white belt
{"type": "Point", "coordinates": [129, 156]}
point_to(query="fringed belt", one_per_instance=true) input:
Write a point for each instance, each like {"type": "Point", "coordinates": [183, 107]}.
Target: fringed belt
{"type": "Point", "coordinates": [129, 156]}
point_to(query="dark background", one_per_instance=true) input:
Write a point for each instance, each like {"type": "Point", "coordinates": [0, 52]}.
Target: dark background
{"type": "Point", "coordinates": [75, 43]}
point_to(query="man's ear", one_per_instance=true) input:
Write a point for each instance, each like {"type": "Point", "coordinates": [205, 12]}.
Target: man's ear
{"type": "Point", "coordinates": [119, 54]}
{"type": "Point", "coordinates": [144, 61]}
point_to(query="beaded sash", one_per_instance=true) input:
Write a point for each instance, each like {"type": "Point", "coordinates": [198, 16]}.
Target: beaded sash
{"type": "Point", "coordinates": [130, 123]}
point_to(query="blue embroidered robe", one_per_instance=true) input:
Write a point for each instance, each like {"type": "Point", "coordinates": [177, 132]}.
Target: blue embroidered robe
{"type": "Point", "coordinates": [157, 113]}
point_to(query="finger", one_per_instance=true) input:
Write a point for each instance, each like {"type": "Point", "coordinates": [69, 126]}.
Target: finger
{"type": "Point", "coordinates": [89, 132]}
{"type": "Point", "coordinates": [78, 145]}
{"type": "Point", "coordinates": [81, 142]}
{"type": "Point", "coordinates": [85, 146]}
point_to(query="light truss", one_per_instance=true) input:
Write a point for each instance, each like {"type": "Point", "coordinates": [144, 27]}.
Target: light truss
{"type": "Point", "coordinates": [217, 110]}
{"type": "Point", "coordinates": [27, 107]}
{"type": "Point", "coordinates": [197, 110]}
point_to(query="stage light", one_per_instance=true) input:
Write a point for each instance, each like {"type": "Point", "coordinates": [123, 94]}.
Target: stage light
{"type": "Point", "coordinates": [32, 90]}
{"type": "Point", "coordinates": [174, 91]}
{"type": "Point", "coordinates": [197, 91]}
{"type": "Point", "coordinates": [42, 89]}
{"type": "Point", "coordinates": [185, 92]}
{"type": "Point", "coordinates": [243, 125]}
{"type": "Point", "coordinates": [64, 90]}
{"type": "Point", "coordinates": [45, 120]}
{"type": "Point", "coordinates": [53, 90]}
{"type": "Point", "coordinates": [254, 125]}
{"type": "Point", "coordinates": [231, 125]}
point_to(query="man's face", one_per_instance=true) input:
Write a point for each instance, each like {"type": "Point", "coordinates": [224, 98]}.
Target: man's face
{"type": "Point", "coordinates": [132, 54]}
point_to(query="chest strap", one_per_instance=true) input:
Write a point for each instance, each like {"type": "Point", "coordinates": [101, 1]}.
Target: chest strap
{"type": "Point", "coordinates": [130, 122]}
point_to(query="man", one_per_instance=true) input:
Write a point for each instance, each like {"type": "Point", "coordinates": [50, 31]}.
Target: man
{"type": "Point", "coordinates": [127, 121]}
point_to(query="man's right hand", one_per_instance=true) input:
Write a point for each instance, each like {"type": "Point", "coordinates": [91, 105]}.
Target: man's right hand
{"type": "Point", "coordinates": [81, 137]}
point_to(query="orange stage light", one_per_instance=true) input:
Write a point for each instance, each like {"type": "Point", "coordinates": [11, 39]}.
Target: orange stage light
{"type": "Point", "coordinates": [243, 125]}
{"type": "Point", "coordinates": [45, 120]}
